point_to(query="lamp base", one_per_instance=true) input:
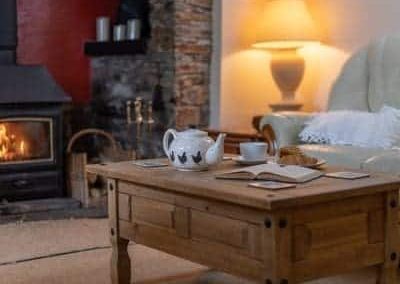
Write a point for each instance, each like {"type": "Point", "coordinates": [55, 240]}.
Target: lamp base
{"type": "Point", "coordinates": [287, 67]}
{"type": "Point", "coordinates": [286, 106]}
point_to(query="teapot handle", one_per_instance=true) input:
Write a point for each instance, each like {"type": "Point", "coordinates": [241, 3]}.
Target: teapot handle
{"type": "Point", "coordinates": [166, 140]}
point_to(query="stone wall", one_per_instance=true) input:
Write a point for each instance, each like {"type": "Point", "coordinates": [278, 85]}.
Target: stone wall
{"type": "Point", "coordinates": [173, 74]}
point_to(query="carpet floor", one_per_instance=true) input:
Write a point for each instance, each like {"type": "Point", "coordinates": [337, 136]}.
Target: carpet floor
{"type": "Point", "coordinates": [77, 251]}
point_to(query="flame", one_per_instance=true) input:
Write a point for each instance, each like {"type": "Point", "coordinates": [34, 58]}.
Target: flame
{"type": "Point", "coordinates": [22, 147]}
{"type": "Point", "coordinates": [12, 147]}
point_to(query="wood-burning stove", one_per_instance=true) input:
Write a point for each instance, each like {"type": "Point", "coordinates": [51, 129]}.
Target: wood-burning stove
{"type": "Point", "coordinates": [31, 150]}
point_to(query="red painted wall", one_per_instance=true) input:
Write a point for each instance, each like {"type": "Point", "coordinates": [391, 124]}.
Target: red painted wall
{"type": "Point", "coordinates": [53, 33]}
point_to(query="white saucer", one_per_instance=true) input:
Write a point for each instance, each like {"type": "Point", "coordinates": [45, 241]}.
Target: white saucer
{"type": "Point", "coordinates": [318, 164]}
{"type": "Point", "coordinates": [241, 161]}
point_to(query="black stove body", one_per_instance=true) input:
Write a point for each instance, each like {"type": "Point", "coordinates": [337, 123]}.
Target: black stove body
{"type": "Point", "coordinates": [31, 148]}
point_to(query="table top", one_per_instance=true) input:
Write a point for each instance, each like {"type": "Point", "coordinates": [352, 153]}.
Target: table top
{"type": "Point", "coordinates": [205, 185]}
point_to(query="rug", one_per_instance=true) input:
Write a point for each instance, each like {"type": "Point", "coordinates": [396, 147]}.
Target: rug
{"type": "Point", "coordinates": [78, 252]}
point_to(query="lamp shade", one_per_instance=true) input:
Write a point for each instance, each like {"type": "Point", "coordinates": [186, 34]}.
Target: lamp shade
{"type": "Point", "coordinates": [286, 24]}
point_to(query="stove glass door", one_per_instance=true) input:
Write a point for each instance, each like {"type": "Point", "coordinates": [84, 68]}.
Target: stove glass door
{"type": "Point", "coordinates": [26, 140]}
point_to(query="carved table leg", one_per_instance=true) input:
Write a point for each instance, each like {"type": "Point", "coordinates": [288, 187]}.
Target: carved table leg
{"type": "Point", "coordinates": [120, 261]}
{"type": "Point", "coordinates": [388, 270]}
{"type": "Point", "coordinates": [278, 233]}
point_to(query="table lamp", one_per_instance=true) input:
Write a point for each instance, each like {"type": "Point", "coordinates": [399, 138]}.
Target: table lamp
{"type": "Point", "coordinates": [287, 26]}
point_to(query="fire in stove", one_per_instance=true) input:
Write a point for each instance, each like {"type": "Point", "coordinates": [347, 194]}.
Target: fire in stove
{"type": "Point", "coordinates": [13, 147]}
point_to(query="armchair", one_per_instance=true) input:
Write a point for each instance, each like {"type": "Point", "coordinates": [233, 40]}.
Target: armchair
{"type": "Point", "coordinates": [368, 80]}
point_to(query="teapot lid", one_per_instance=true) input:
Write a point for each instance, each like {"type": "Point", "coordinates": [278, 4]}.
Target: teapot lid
{"type": "Point", "coordinates": [193, 133]}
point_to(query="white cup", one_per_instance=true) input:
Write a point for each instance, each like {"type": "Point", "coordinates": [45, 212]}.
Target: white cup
{"type": "Point", "coordinates": [253, 151]}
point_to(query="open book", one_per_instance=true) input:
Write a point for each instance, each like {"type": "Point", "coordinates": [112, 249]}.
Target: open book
{"type": "Point", "coordinates": [275, 172]}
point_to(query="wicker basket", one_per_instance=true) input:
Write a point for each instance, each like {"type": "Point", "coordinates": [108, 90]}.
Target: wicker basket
{"type": "Point", "coordinates": [90, 189]}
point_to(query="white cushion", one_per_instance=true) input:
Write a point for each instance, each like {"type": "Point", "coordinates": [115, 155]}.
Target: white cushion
{"type": "Point", "coordinates": [354, 128]}
{"type": "Point", "coordinates": [351, 157]}
{"type": "Point", "coordinates": [350, 90]}
{"type": "Point", "coordinates": [384, 73]}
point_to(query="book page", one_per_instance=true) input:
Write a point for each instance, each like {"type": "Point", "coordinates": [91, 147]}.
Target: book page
{"type": "Point", "coordinates": [292, 172]}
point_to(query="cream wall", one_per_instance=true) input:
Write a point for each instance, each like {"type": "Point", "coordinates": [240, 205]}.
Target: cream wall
{"type": "Point", "coordinates": [244, 87]}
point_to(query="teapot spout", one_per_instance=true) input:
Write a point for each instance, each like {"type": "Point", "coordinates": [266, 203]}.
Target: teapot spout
{"type": "Point", "coordinates": [215, 153]}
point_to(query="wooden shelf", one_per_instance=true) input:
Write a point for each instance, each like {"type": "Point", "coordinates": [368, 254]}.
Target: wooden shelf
{"type": "Point", "coordinates": [127, 47]}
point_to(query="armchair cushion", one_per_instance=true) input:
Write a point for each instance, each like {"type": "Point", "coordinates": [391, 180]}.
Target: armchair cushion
{"type": "Point", "coordinates": [352, 157]}
{"type": "Point", "coordinates": [384, 70]}
{"type": "Point", "coordinates": [370, 78]}
{"type": "Point", "coordinates": [287, 126]}
{"type": "Point", "coordinates": [350, 90]}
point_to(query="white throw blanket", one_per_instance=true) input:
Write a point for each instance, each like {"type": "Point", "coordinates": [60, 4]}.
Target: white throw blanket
{"type": "Point", "coordinates": [364, 129]}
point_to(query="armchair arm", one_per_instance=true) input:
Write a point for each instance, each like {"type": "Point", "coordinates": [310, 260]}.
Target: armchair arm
{"type": "Point", "coordinates": [387, 162]}
{"type": "Point", "coordinates": [286, 125]}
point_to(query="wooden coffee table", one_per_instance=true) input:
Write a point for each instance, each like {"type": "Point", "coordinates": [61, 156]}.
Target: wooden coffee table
{"type": "Point", "coordinates": [322, 228]}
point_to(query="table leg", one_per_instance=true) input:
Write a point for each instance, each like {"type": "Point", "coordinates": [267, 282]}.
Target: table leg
{"type": "Point", "coordinates": [120, 261]}
{"type": "Point", "coordinates": [388, 270]}
{"type": "Point", "coordinates": [278, 234]}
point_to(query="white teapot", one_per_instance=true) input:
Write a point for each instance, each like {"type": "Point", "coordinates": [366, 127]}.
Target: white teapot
{"type": "Point", "coordinates": [192, 149]}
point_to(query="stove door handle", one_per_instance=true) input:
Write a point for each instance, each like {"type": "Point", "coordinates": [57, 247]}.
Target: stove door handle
{"type": "Point", "coordinates": [20, 183]}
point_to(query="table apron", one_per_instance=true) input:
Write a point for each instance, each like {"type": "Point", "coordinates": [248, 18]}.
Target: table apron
{"type": "Point", "coordinates": [294, 245]}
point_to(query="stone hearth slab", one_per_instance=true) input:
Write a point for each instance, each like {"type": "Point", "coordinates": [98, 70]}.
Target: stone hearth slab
{"type": "Point", "coordinates": [40, 205]}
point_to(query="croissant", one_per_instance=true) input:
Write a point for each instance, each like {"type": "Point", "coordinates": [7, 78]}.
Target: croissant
{"type": "Point", "coordinates": [290, 150]}
{"type": "Point", "coordinates": [292, 155]}
{"type": "Point", "coordinates": [302, 160]}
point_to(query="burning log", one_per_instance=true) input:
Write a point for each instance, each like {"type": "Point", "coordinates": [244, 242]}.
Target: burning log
{"type": "Point", "coordinates": [12, 148]}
